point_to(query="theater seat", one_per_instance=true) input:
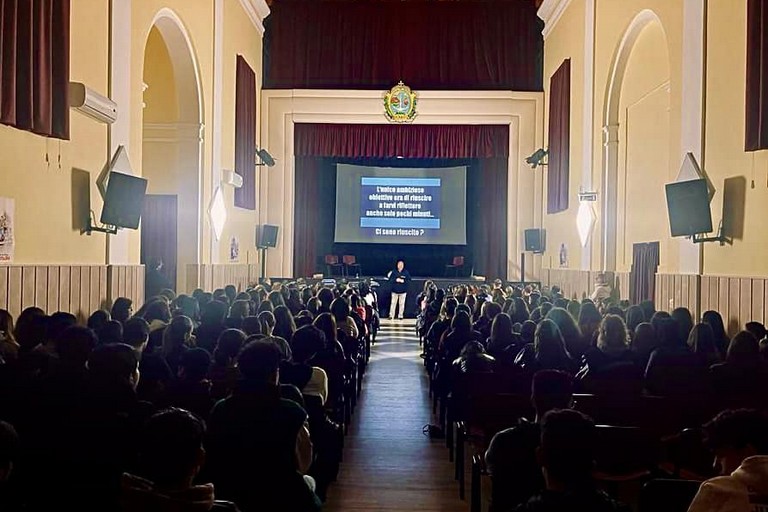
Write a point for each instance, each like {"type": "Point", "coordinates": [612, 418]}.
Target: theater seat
{"type": "Point", "coordinates": [456, 264]}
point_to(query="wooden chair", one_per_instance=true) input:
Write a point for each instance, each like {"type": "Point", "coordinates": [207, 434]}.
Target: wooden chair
{"type": "Point", "coordinates": [350, 262]}
{"type": "Point", "coordinates": [331, 263]}
{"type": "Point", "coordinates": [456, 264]}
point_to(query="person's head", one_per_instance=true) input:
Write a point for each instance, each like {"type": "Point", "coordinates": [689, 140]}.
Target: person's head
{"type": "Point", "coordinates": [259, 361]}
{"type": "Point", "coordinates": [306, 342]}
{"type": "Point", "coordinates": [757, 329]}
{"type": "Point", "coordinates": [326, 323]}
{"type": "Point", "coordinates": [340, 310]}
{"type": "Point", "coordinates": [702, 342]}
{"type": "Point", "coordinates": [114, 363]}
{"type": "Point", "coordinates": [122, 309]}
{"type": "Point", "coordinates": [9, 450]}
{"type": "Point", "coordinates": [501, 327]}
{"type": "Point", "coordinates": [612, 337]}
{"type": "Point", "coordinates": [551, 389]}
{"type": "Point", "coordinates": [110, 332]}
{"type": "Point", "coordinates": [75, 345]}
{"type": "Point", "coordinates": [589, 318]}
{"type": "Point", "coordinates": [171, 450]}
{"type": "Point", "coordinates": [450, 308]}
{"type": "Point", "coordinates": [188, 306]}
{"type": "Point", "coordinates": [57, 324]}
{"type": "Point", "coordinates": [177, 334]}
{"type": "Point", "coordinates": [715, 321]}
{"type": "Point", "coordinates": [548, 342]}
{"type": "Point", "coordinates": [734, 435]}
{"type": "Point", "coordinates": [400, 265]}
{"type": "Point", "coordinates": [645, 341]}
{"type": "Point", "coordinates": [136, 333]}
{"type": "Point", "coordinates": [97, 319]}
{"type": "Point", "coordinates": [228, 346]}
{"type": "Point", "coordinates": [744, 349]}
{"type": "Point", "coordinates": [169, 294]}
{"type": "Point", "coordinates": [472, 347]}
{"type": "Point", "coordinates": [157, 310]}
{"type": "Point", "coordinates": [667, 330]}
{"type": "Point", "coordinates": [240, 309]}
{"type": "Point", "coordinates": [265, 305]}
{"type": "Point", "coordinates": [213, 313]}
{"type": "Point", "coordinates": [490, 310]}
{"type": "Point", "coordinates": [649, 309]}
{"type": "Point", "coordinates": [284, 322]}
{"type": "Point", "coordinates": [568, 328]}
{"type": "Point", "coordinates": [251, 325]}
{"type": "Point", "coordinates": [566, 453]}
{"type": "Point", "coordinates": [267, 322]}
{"type": "Point", "coordinates": [684, 321]}
{"type": "Point", "coordinates": [276, 298]}
{"type": "Point", "coordinates": [461, 321]}
{"type": "Point", "coordinates": [528, 331]}
{"type": "Point", "coordinates": [194, 364]}
{"type": "Point", "coordinates": [231, 292]}
{"type": "Point", "coordinates": [635, 317]}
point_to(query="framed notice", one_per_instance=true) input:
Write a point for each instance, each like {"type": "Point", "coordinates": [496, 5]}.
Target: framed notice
{"type": "Point", "coordinates": [7, 234]}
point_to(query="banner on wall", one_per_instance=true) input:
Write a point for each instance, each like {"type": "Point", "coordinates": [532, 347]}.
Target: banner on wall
{"type": "Point", "coordinates": [7, 214]}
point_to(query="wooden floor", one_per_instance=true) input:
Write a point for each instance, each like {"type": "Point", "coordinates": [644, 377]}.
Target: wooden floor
{"type": "Point", "coordinates": [388, 463]}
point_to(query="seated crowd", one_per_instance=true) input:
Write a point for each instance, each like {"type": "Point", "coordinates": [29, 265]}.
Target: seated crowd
{"type": "Point", "coordinates": [243, 393]}
{"type": "Point", "coordinates": [612, 353]}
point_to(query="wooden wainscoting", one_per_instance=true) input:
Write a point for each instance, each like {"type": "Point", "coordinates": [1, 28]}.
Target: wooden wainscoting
{"type": "Point", "coordinates": [738, 299]}
{"type": "Point", "coordinates": [209, 277]}
{"type": "Point", "coordinates": [78, 289]}
{"type": "Point", "coordinates": [677, 290]}
{"type": "Point", "coordinates": [580, 283]}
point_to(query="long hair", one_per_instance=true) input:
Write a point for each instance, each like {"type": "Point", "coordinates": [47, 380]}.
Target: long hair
{"type": "Point", "coordinates": [613, 337]}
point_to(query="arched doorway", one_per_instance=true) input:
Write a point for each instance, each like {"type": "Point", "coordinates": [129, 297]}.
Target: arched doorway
{"type": "Point", "coordinates": [636, 144]}
{"type": "Point", "coordinates": [172, 150]}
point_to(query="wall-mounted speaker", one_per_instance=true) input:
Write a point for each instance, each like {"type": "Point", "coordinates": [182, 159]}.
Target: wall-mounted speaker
{"type": "Point", "coordinates": [535, 240]}
{"type": "Point", "coordinates": [688, 208]}
{"type": "Point", "coordinates": [266, 236]}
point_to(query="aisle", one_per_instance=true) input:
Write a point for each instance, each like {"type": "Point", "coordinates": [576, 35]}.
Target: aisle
{"type": "Point", "coordinates": [388, 463]}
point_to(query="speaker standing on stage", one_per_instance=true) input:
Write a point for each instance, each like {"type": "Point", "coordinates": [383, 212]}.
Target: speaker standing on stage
{"type": "Point", "coordinates": [399, 279]}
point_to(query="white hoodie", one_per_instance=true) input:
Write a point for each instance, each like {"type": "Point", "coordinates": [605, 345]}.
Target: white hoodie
{"type": "Point", "coordinates": [745, 490]}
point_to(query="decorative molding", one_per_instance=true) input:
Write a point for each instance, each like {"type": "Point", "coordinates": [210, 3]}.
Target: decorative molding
{"type": "Point", "coordinates": [550, 12]}
{"type": "Point", "coordinates": [257, 11]}
{"type": "Point", "coordinates": [173, 132]}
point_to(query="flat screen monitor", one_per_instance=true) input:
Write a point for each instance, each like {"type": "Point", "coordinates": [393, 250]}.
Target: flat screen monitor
{"type": "Point", "coordinates": [688, 207]}
{"type": "Point", "coordinates": [124, 200]}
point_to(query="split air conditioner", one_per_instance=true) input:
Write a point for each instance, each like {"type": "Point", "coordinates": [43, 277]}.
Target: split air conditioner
{"type": "Point", "coordinates": [91, 103]}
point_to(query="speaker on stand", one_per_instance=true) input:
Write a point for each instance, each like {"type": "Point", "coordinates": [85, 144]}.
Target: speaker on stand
{"type": "Point", "coordinates": [266, 237]}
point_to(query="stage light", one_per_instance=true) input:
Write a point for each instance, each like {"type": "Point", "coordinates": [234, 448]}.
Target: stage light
{"type": "Point", "coordinates": [585, 221]}
{"type": "Point", "coordinates": [218, 213]}
{"type": "Point", "coordinates": [537, 158]}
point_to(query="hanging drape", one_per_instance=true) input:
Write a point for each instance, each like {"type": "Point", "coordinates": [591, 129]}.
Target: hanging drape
{"type": "Point", "coordinates": [757, 76]}
{"type": "Point", "coordinates": [468, 45]}
{"type": "Point", "coordinates": [245, 134]}
{"type": "Point", "coordinates": [483, 149]}
{"type": "Point", "coordinates": [645, 262]}
{"type": "Point", "coordinates": [34, 66]}
{"type": "Point", "coordinates": [558, 170]}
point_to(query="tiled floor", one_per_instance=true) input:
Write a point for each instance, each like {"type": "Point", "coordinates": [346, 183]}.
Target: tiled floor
{"type": "Point", "coordinates": [389, 465]}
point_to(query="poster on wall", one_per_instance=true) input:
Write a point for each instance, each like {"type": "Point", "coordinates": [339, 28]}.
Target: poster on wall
{"type": "Point", "coordinates": [234, 250]}
{"type": "Point", "coordinates": [7, 214]}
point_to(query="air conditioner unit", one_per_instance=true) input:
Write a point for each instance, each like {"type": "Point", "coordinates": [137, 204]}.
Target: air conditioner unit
{"type": "Point", "coordinates": [232, 178]}
{"type": "Point", "coordinates": [91, 103]}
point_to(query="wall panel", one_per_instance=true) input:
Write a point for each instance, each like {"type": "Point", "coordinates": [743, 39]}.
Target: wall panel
{"type": "Point", "coordinates": [4, 287]}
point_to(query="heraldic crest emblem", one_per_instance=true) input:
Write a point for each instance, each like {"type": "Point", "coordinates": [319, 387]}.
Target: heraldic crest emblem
{"type": "Point", "coordinates": [400, 104]}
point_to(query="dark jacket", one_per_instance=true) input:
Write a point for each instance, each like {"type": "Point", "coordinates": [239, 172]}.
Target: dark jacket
{"type": "Point", "coordinates": [251, 449]}
{"type": "Point", "coordinates": [399, 287]}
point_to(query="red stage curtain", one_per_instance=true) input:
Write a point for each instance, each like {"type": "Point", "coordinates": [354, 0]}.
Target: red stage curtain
{"type": "Point", "coordinates": [408, 141]}
{"type": "Point", "coordinates": [559, 139]}
{"type": "Point", "coordinates": [34, 66]}
{"type": "Point", "coordinates": [645, 262]}
{"type": "Point", "coordinates": [487, 147]}
{"type": "Point", "coordinates": [469, 45]}
{"type": "Point", "coordinates": [245, 134]}
{"type": "Point", "coordinates": [757, 76]}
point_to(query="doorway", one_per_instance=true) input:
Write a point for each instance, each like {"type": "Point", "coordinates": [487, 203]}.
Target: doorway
{"type": "Point", "coordinates": [159, 234]}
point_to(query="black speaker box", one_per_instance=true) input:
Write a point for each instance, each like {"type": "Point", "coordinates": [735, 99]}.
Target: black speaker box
{"type": "Point", "coordinates": [266, 236]}
{"type": "Point", "coordinates": [535, 240]}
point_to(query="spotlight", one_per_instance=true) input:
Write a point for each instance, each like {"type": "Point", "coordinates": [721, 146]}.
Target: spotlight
{"type": "Point", "coordinates": [535, 159]}
{"type": "Point", "coordinates": [265, 157]}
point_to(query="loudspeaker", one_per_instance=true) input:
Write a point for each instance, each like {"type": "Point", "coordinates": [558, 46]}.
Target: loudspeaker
{"type": "Point", "coordinates": [535, 240]}
{"type": "Point", "coordinates": [688, 208]}
{"type": "Point", "coordinates": [266, 236]}
{"type": "Point", "coordinates": [124, 200]}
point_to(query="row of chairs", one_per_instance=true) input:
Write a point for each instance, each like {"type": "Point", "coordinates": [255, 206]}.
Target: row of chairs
{"type": "Point", "coordinates": [650, 441]}
{"type": "Point", "coordinates": [345, 266]}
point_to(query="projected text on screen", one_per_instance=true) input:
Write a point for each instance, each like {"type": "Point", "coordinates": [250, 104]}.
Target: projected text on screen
{"type": "Point", "coordinates": [399, 206]}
